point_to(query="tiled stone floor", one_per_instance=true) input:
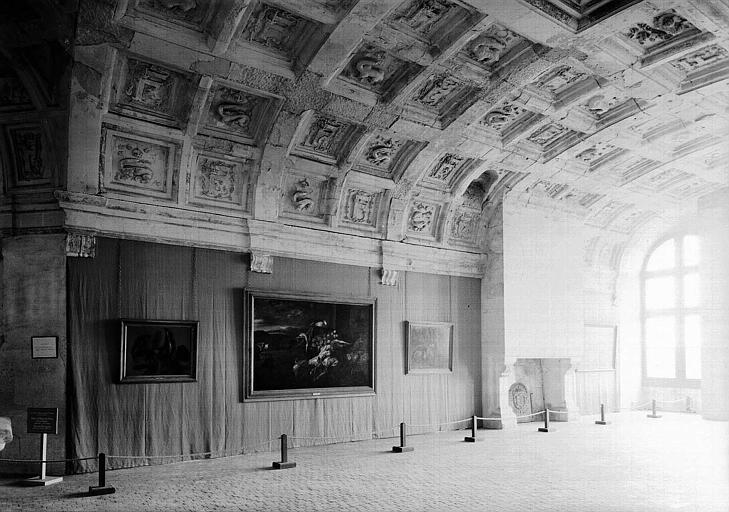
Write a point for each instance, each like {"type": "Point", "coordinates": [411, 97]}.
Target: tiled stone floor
{"type": "Point", "coordinates": [677, 463]}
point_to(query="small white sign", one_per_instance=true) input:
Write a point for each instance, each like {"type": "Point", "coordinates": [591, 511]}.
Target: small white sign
{"type": "Point", "coordinates": [44, 347]}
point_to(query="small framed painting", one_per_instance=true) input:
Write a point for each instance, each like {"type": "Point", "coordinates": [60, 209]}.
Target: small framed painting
{"type": "Point", "coordinates": [158, 351]}
{"type": "Point", "coordinates": [429, 347]}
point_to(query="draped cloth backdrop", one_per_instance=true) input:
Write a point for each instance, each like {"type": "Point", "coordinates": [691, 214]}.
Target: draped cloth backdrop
{"type": "Point", "coordinates": [129, 279]}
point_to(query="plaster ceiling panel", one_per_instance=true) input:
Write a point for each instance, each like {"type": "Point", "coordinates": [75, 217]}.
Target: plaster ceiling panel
{"type": "Point", "coordinates": [578, 15]}
{"type": "Point", "coordinates": [373, 75]}
{"type": "Point", "coordinates": [277, 38]}
{"type": "Point", "coordinates": [239, 113]}
{"type": "Point", "coordinates": [327, 139]}
{"type": "Point", "coordinates": [151, 92]}
{"type": "Point", "coordinates": [387, 155]}
{"type": "Point", "coordinates": [438, 23]}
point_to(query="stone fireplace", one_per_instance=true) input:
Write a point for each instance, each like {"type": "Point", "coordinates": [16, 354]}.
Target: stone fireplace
{"type": "Point", "coordinates": [531, 384]}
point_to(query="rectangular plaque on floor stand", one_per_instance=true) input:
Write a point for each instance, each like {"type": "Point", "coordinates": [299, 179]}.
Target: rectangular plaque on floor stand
{"type": "Point", "coordinates": [43, 421]}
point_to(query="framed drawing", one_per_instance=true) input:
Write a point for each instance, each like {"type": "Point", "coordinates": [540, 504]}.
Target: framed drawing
{"type": "Point", "coordinates": [308, 346]}
{"type": "Point", "coordinates": [429, 347]}
{"type": "Point", "coordinates": [158, 351]}
{"type": "Point", "coordinates": [44, 347]}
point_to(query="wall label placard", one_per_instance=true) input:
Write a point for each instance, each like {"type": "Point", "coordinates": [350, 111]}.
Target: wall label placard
{"type": "Point", "coordinates": [44, 347]}
{"type": "Point", "coordinates": [43, 420]}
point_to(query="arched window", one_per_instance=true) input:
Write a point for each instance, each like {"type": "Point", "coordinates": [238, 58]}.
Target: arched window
{"type": "Point", "coordinates": [671, 318]}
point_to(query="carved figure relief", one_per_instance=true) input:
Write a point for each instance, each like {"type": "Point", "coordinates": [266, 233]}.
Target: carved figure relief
{"type": "Point", "coordinates": [558, 78]}
{"type": "Point", "coordinates": [547, 134]}
{"type": "Point", "coordinates": [704, 57]}
{"type": "Point", "coordinates": [519, 398]}
{"type": "Point", "coordinates": [273, 27]}
{"type": "Point", "coordinates": [594, 152]}
{"type": "Point", "coordinates": [600, 104]}
{"type": "Point", "coordinates": [302, 196]}
{"type": "Point", "coordinates": [27, 153]}
{"type": "Point", "coordinates": [368, 67]}
{"type": "Point", "coordinates": [436, 89]}
{"type": "Point", "coordinates": [464, 225]}
{"type": "Point", "coordinates": [360, 207]}
{"type": "Point", "coordinates": [218, 179]}
{"type": "Point", "coordinates": [382, 150]}
{"type": "Point", "coordinates": [488, 47]}
{"type": "Point", "coordinates": [235, 109]}
{"type": "Point", "coordinates": [322, 134]}
{"type": "Point", "coordinates": [421, 15]}
{"type": "Point", "coordinates": [500, 117]}
{"type": "Point", "coordinates": [665, 26]}
{"type": "Point", "coordinates": [140, 163]}
{"type": "Point", "coordinates": [445, 167]}
{"type": "Point", "coordinates": [421, 217]}
{"type": "Point", "coordinates": [149, 86]}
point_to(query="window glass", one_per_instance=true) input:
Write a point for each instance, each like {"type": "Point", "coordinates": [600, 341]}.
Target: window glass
{"type": "Point", "coordinates": [690, 250]}
{"type": "Point", "coordinates": [692, 341]}
{"type": "Point", "coordinates": [663, 257]}
{"type": "Point", "coordinates": [660, 339]}
{"type": "Point", "coordinates": [691, 290]}
{"type": "Point", "coordinates": [660, 293]}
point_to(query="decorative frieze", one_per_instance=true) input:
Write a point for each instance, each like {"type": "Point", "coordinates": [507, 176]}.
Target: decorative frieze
{"type": "Point", "coordinates": [704, 57]}
{"type": "Point", "coordinates": [499, 118]}
{"type": "Point", "coordinates": [382, 150]}
{"type": "Point", "coordinates": [80, 245]}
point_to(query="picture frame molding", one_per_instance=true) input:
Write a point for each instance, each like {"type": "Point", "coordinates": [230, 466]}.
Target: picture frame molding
{"type": "Point", "coordinates": [409, 325]}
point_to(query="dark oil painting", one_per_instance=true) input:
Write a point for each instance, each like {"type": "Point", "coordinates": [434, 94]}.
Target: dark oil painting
{"type": "Point", "coordinates": [308, 346]}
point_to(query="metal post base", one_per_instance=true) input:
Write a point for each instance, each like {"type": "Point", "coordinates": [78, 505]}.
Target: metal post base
{"type": "Point", "coordinates": [95, 490]}
{"type": "Point", "coordinates": [601, 422]}
{"type": "Point", "coordinates": [471, 439]}
{"type": "Point", "coordinates": [545, 429]}
{"type": "Point", "coordinates": [653, 416]}
{"type": "Point", "coordinates": [284, 465]}
{"type": "Point", "coordinates": [49, 480]}
{"type": "Point", "coordinates": [401, 449]}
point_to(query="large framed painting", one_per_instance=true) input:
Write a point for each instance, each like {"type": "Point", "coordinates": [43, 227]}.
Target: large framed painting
{"type": "Point", "coordinates": [158, 351]}
{"type": "Point", "coordinates": [429, 347]}
{"type": "Point", "coordinates": [307, 346]}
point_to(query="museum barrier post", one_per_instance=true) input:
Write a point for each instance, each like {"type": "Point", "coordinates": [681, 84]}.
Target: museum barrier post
{"type": "Point", "coordinates": [403, 441]}
{"type": "Point", "coordinates": [653, 410]}
{"type": "Point", "coordinates": [602, 421]}
{"type": "Point", "coordinates": [474, 426]}
{"type": "Point", "coordinates": [101, 488]}
{"type": "Point", "coordinates": [284, 463]}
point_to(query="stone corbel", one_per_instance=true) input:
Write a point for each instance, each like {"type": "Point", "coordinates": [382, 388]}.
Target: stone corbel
{"type": "Point", "coordinates": [80, 246]}
{"type": "Point", "coordinates": [388, 277]}
{"type": "Point", "coordinates": [261, 263]}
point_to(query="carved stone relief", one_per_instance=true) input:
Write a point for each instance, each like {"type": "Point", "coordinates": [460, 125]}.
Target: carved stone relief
{"type": "Point", "coordinates": [234, 110]}
{"type": "Point", "coordinates": [361, 206]}
{"type": "Point", "coordinates": [600, 104]}
{"type": "Point", "coordinates": [273, 28]}
{"type": "Point", "coordinates": [190, 11]}
{"type": "Point", "coordinates": [378, 71]}
{"type": "Point", "coordinates": [665, 26]}
{"type": "Point", "coordinates": [436, 90]}
{"type": "Point", "coordinates": [322, 134]}
{"type": "Point", "coordinates": [421, 218]}
{"type": "Point", "coordinates": [595, 152]}
{"type": "Point", "coordinates": [704, 57]}
{"type": "Point", "coordinates": [499, 118]}
{"type": "Point", "coordinates": [139, 165]}
{"type": "Point", "coordinates": [519, 399]}
{"type": "Point", "coordinates": [80, 246]}
{"type": "Point", "coordinates": [150, 86]}
{"type": "Point", "coordinates": [27, 152]}
{"type": "Point", "coordinates": [555, 80]}
{"type": "Point", "coordinates": [581, 14]}
{"type": "Point", "coordinates": [548, 134]}
{"type": "Point", "coordinates": [464, 225]}
{"type": "Point", "coordinates": [421, 16]}
{"type": "Point", "coordinates": [488, 47]}
{"type": "Point", "coordinates": [446, 168]}
{"type": "Point", "coordinates": [302, 196]}
{"type": "Point", "coordinates": [219, 181]}
{"type": "Point", "coordinates": [382, 150]}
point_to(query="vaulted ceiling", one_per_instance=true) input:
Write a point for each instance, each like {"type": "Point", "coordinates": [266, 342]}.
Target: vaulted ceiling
{"type": "Point", "coordinates": [405, 121]}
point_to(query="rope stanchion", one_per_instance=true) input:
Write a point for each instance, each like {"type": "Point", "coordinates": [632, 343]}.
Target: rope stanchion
{"type": "Point", "coordinates": [98, 490]}
{"type": "Point", "coordinates": [474, 426]}
{"type": "Point", "coordinates": [602, 421]}
{"type": "Point", "coordinates": [545, 428]}
{"type": "Point", "coordinates": [653, 411]}
{"type": "Point", "coordinates": [403, 441]}
{"type": "Point", "coordinates": [284, 463]}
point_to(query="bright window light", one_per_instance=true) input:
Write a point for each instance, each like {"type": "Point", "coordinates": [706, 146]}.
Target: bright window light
{"type": "Point", "coordinates": [663, 257]}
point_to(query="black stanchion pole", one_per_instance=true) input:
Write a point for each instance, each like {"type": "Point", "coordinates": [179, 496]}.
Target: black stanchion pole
{"type": "Point", "coordinates": [284, 463]}
{"type": "Point", "coordinates": [101, 488]}
{"type": "Point", "coordinates": [653, 410]}
{"type": "Point", "coordinates": [474, 426]}
{"type": "Point", "coordinates": [403, 441]}
{"type": "Point", "coordinates": [545, 428]}
{"type": "Point", "coordinates": [602, 421]}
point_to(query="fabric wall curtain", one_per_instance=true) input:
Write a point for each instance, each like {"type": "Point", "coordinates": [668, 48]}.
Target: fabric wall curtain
{"type": "Point", "coordinates": [140, 280]}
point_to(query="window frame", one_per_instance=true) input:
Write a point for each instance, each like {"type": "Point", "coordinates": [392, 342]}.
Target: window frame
{"type": "Point", "coordinates": [678, 312]}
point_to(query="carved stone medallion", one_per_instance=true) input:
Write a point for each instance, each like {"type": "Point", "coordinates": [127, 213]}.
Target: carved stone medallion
{"type": "Point", "coordinates": [488, 47]}
{"type": "Point", "coordinates": [218, 179]}
{"type": "Point", "coordinates": [436, 90]}
{"type": "Point", "coordinates": [322, 135]}
{"type": "Point", "coordinates": [234, 110]}
{"type": "Point", "coordinates": [301, 196]}
{"type": "Point", "coordinates": [446, 167]}
{"type": "Point", "coordinates": [519, 398]}
{"type": "Point", "coordinates": [273, 28]}
{"type": "Point", "coordinates": [140, 165]}
{"type": "Point", "coordinates": [698, 59]}
{"type": "Point", "coordinates": [150, 86]}
{"type": "Point", "coordinates": [502, 116]}
{"type": "Point", "coordinates": [382, 150]}
{"type": "Point", "coordinates": [665, 26]}
{"type": "Point", "coordinates": [548, 134]}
